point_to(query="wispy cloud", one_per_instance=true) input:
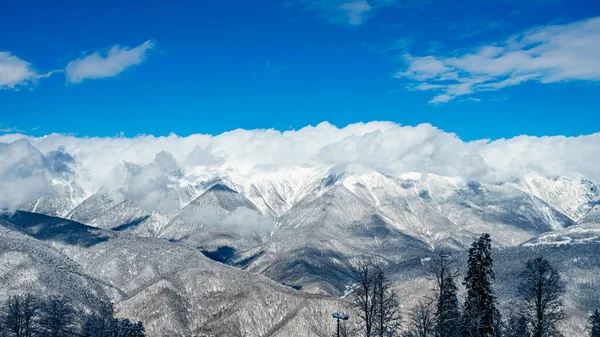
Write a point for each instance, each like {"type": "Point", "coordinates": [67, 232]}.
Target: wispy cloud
{"type": "Point", "coordinates": [346, 12]}
{"type": "Point", "coordinates": [15, 72]}
{"type": "Point", "coordinates": [548, 54]}
{"type": "Point", "coordinates": [114, 62]}
{"type": "Point", "coordinates": [7, 129]}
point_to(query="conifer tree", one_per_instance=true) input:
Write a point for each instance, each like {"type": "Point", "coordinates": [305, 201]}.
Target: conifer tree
{"type": "Point", "coordinates": [480, 302]}
{"type": "Point", "coordinates": [447, 311]}
{"type": "Point", "coordinates": [595, 324]}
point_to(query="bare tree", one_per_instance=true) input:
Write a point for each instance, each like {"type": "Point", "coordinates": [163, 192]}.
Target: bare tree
{"type": "Point", "coordinates": [363, 296]}
{"type": "Point", "coordinates": [377, 303]}
{"type": "Point", "coordinates": [100, 324]}
{"type": "Point", "coordinates": [421, 319]}
{"type": "Point", "coordinates": [13, 315]}
{"type": "Point", "coordinates": [57, 316]}
{"type": "Point", "coordinates": [30, 308]}
{"type": "Point", "coordinates": [387, 321]}
{"type": "Point", "coordinates": [541, 291]}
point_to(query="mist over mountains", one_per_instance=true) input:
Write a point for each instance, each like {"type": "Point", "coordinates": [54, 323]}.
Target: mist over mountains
{"type": "Point", "coordinates": [277, 211]}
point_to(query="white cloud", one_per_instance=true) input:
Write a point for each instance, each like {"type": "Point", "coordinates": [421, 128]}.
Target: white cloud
{"type": "Point", "coordinates": [356, 11]}
{"type": "Point", "coordinates": [548, 54]}
{"type": "Point", "coordinates": [116, 60]}
{"type": "Point", "coordinates": [149, 184]}
{"type": "Point", "coordinates": [144, 167]}
{"type": "Point", "coordinates": [24, 175]}
{"type": "Point", "coordinates": [15, 72]}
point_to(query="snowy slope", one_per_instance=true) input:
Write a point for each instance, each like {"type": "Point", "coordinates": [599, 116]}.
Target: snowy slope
{"type": "Point", "coordinates": [173, 288]}
{"type": "Point", "coordinates": [573, 196]}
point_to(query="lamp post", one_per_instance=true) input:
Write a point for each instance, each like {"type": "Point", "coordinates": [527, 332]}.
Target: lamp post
{"type": "Point", "coordinates": [339, 316]}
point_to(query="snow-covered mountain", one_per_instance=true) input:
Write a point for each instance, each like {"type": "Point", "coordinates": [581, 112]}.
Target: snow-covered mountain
{"type": "Point", "coordinates": [304, 225]}
{"type": "Point", "coordinates": [139, 233]}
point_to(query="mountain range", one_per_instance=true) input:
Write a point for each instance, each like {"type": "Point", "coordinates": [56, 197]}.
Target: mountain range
{"type": "Point", "coordinates": [269, 252]}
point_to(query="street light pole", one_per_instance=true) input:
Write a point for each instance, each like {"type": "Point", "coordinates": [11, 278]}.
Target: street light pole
{"type": "Point", "coordinates": [339, 316]}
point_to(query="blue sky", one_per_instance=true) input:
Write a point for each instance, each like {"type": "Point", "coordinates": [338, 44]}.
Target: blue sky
{"type": "Point", "coordinates": [480, 68]}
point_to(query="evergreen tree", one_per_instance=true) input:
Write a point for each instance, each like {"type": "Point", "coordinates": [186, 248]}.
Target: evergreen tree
{"type": "Point", "coordinates": [595, 324]}
{"type": "Point", "coordinates": [126, 328]}
{"type": "Point", "coordinates": [447, 311]}
{"type": "Point", "coordinates": [480, 303]}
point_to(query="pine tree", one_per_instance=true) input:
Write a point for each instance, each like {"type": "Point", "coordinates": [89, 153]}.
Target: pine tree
{"type": "Point", "coordinates": [595, 324]}
{"type": "Point", "coordinates": [448, 312]}
{"type": "Point", "coordinates": [480, 303]}
{"type": "Point", "coordinates": [126, 328]}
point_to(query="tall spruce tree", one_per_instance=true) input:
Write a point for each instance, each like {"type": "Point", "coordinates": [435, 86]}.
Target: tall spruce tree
{"type": "Point", "coordinates": [448, 312]}
{"type": "Point", "coordinates": [595, 324]}
{"type": "Point", "coordinates": [480, 303]}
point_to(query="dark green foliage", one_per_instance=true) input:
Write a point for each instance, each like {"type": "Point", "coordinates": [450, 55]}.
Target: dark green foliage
{"type": "Point", "coordinates": [594, 324]}
{"type": "Point", "coordinates": [480, 303]}
{"type": "Point", "coordinates": [447, 313]}
{"type": "Point", "coordinates": [126, 328]}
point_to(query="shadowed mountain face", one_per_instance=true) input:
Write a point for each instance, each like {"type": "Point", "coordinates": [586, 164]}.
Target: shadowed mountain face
{"type": "Point", "coordinates": [52, 229]}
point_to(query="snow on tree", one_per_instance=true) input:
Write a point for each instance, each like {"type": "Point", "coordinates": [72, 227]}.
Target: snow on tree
{"type": "Point", "coordinates": [126, 328]}
{"type": "Point", "coordinates": [594, 322]}
{"type": "Point", "coordinates": [447, 313]}
{"type": "Point", "coordinates": [480, 303]}
{"type": "Point", "coordinates": [57, 316]}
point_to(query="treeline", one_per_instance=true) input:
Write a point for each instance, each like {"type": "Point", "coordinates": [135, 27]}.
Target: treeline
{"type": "Point", "coordinates": [536, 312]}
{"type": "Point", "coordinates": [26, 315]}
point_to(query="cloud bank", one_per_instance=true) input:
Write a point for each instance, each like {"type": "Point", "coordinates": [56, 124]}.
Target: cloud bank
{"type": "Point", "coordinates": [548, 54]}
{"type": "Point", "coordinates": [145, 168]}
{"type": "Point", "coordinates": [116, 60]}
